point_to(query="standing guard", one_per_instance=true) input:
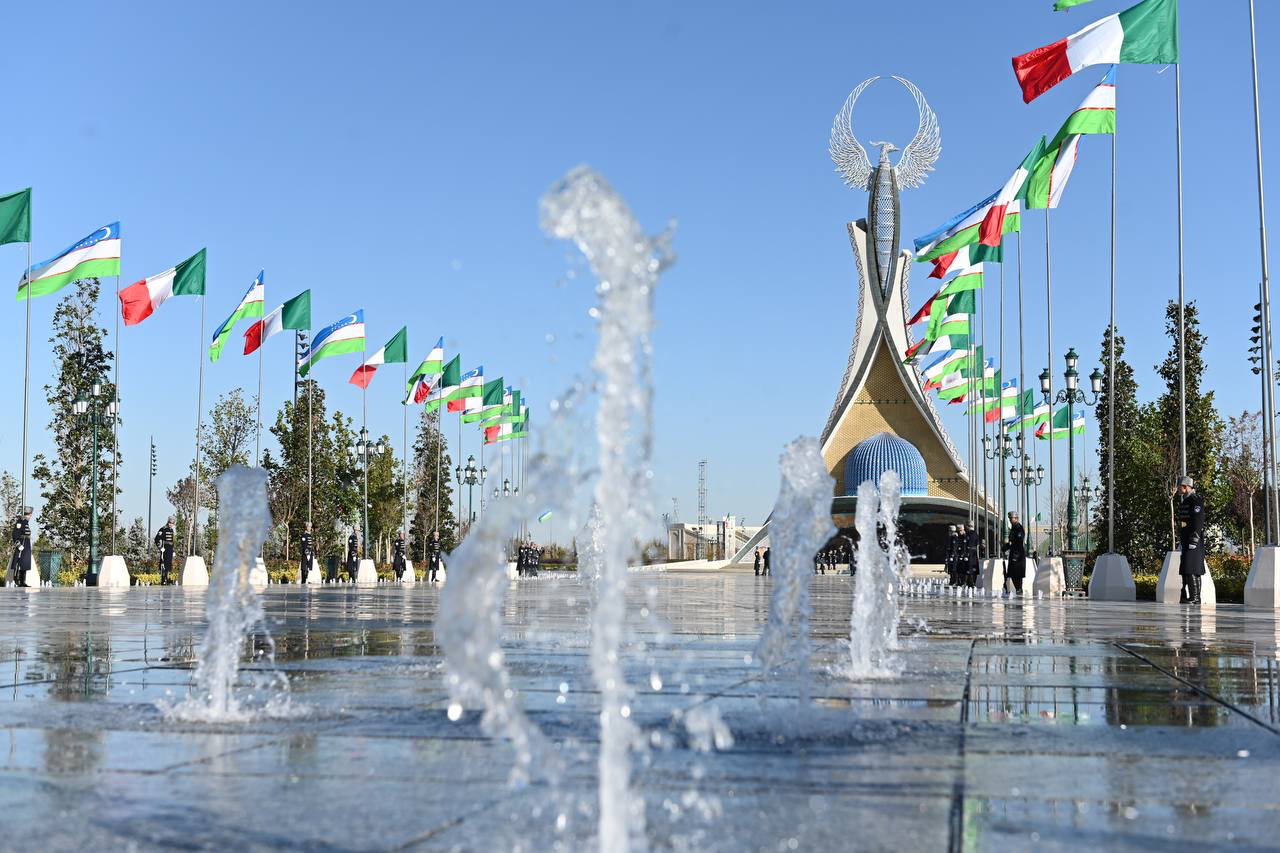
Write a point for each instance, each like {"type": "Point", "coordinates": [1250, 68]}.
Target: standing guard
{"type": "Point", "coordinates": [353, 554]}
{"type": "Point", "coordinates": [164, 544]}
{"type": "Point", "coordinates": [972, 562]}
{"type": "Point", "coordinates": [307, 555]}
{"type": "Point", "coordinates": [1191, 538]}
{"type": "Point", "coordinates": [1016, 553]}
{"type": "Point", "coordinates": [397, 556]}
{"type": "Point", "coordinates": [949, 555]}
{"type": "Point", "coordinates": [20, 562]}
{"type": "Point", "coordinates": [433, 554]}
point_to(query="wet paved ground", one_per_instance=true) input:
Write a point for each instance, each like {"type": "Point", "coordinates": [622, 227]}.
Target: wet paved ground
{"type": "Point", "coordinates": [1014, 726]}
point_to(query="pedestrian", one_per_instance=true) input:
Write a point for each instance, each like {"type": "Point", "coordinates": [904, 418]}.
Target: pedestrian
{"type": "Point", "coordinates": [767, 570]}
{"type": "Point", "coordinates": [20, 562]}
{"type": "Point", "coordinates": [397, 556]}
{"type": "Point", "coordinates": [433, 554]}
{"type": "Point", "coordinates": [757, 562]}
{"type": "Point", "coordinates": [353, 554]}
{"type": "Point", "coordinates": [1016, 553]}
{"type": "Point", "coordinates": [306, 554]}
{"type": "Point", "coordinates": [1191, 538]}
{"type": "Point", "coordinates": [949, 555]}
{"type": "Point", "coordinates": [164, 545]}
{"type": "Point", "coordinates": [972, 562]}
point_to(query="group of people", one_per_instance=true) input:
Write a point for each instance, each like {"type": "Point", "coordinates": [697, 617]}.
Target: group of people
{"type": "Point", "coordinates": [528, 559]}
{"type": "Point", "coordinates": [963, 562]}
{"type": "Point", "coordinates": [762, 562]}
{"type": "Point", "coordinates": [829, 558]}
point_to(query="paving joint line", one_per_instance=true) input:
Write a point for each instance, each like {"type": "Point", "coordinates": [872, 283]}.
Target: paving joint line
{"type": "Point", "coordinates": [955, 840]}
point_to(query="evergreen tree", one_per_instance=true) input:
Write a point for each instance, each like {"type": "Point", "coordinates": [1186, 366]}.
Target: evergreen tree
{"type": "Point", "coordinates": [432, 476]}
{"type": "Point", "coordinates": [82, 361]}
{"type": "Point", "coordinates": [226, 440]}
{"type": "Point", "coordinates": [386, 501]}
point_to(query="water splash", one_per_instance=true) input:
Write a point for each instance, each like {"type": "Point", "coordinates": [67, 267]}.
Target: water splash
{"type": "Point", "coordinates": [233, 610]}
{"type": "Point", "coordinates": [873, 623]}
{"type": "Point", "coordinates": [584, 208]}
{"type": "Point", "coordinates": [800, 525]}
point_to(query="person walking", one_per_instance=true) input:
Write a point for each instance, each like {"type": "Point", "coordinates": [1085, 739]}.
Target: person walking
{"type": "Point", "coordinates": [972, 562]}
{"type": "Point", "coordinates": [20, 562]}
{"type": "Point", "coordinates": [1016, 553]}
{"type": "Point", "coordinates": [1191, 539]}
{"type": "Point", "coordinates": [164, 544]}
{"type": "Point", "coordinates": [766, 562]}
{"type": "Point", "coordinates": [397, 555]}
{"type": "Point", "coordinates": [433, 555]}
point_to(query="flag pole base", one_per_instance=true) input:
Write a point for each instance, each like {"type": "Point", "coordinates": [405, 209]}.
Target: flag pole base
{"type": "Point", "coordinates": [366, 572]}
{"type": "Point", "coordinates": [992, 579]}
{"type": "Point", "coordinates": [258, 574]}
{"type": "Point", "coordinates": [194, 572]}
{"type": "Point", "coordinates": [1049, 579]}
{"type": "Point", "coordinates": [1112, 580]}
{"type": "Point", "coordinates": [113, 573]}
{"type": "Point", "coordinates": [408, 578]}
{"type": "Point", "coordinates": [1262, 589]}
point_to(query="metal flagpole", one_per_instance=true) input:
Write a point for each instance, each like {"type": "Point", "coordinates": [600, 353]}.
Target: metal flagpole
{"type": "Point", "coordinates": [981, 400]}
{"type": "Point", "coordinates": [1024, 503]}
{"type": "Point", "coordinates": [1182, 342]}
{"type": "Point", "coordinates": [195, 515]}
{"type": "Point", "coordinates": [459, 462]}
{"type": "Point", "coordinates": [115, 424]}
{"type": "Point", "coordinates": [999, 460]}
{"type": "Point", "coordinates": [310, 424]}
{"type": "Point", "coordinates": [1269, 426]}
{"type": "Point", "coordinates": [364, 428]}
{"type": "Point", "coordinates": [439, 452]}
{"type": "Point", "coordinates": [1111, 369]}
{"type": "Point", "coordinates": [26, 382]}
{"type": "Point", "coordinates": [257, 441]}
{"type": "Point", "coordinates": [1048, 302]}
{"type": "Point", "coordinates": [404, 461]}
{"type": "Point", "coordinates": [1268, 450]}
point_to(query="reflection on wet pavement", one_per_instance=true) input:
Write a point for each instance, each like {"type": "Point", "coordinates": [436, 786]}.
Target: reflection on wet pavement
{"type": "Point", "coordinates": [1014, 725]}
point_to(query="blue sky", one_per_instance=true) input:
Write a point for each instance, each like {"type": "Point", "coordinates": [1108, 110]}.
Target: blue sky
{"type": "Point", "coordinates": [390, 156]}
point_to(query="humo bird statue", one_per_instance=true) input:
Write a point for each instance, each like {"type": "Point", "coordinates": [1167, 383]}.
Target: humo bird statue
{"type": "Point", "coordinates": [883, 180]}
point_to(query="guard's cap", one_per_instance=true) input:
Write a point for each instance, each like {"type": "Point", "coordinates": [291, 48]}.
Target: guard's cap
{"type": "Point", "coordinates": [26, 510]}
{"type": "Point", "coordinates": [1188, 482]}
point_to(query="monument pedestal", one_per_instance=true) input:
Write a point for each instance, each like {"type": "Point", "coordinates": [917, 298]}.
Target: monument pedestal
{"type": "Point", "coordinates": [1169, 586]}
{"type": "Point", "coordinates": [258, 573]}
{"type": "Point", "coordinates": [314, 577]}
{"type": "Point", "coordinates": [194, 572]}
{"type": "Point", "coordinates": [1262, 589]}
{"type": "Point", "coordinates": [991, 581]}
{"type": "Point", "coordinates": [1049, 579]}
{"type": "Point", "coordinates": [112, 573]}
{"type": "Point", "coordinates": [366, 572]}
{"type": "Point", "coordinates": [408, 578]}
{"type": "Point", "coordinates": [512, 574]}
{"type": "Point", "coordinates": [1111, 579]}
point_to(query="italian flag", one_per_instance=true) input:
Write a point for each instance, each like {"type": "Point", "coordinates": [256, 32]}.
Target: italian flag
{"type": "Point", "coordinates": [294, 314]}
{"type": "Point", "coordinates": [1145, 34]}
{"type": "Point", "coordinates": [953, 288]}
{"type": "Point", "coordinates": [491, 400]}
{"type": "Point", "coordinates": [510, 406]}
{"type": "Point", "coordinates": [449, 379]}
{"type": "Point", "coordinates": [990, 232]}
{"type": "Point", "coordinates": [139, 300]}
{"type": "Point", "coordinates": [1059, 429]}
{"type": "Point", "coordinates": [966, 256]}
{"type": "Point", "coordinates": [396, 351]}
{"type": "Point", "coordinates": [341, 338]}
{"type": "Point", "coordinates": [1039, 415]}
{"type": "Point", "coordinates": [425, 375]}
{"type": "Point", "coordinates": [963, 229]}
{"type": "Point", "coordinates": [250, 306]}
{"type": "Point", "coordinates": [471, 386]}
{"type": "Point", "coordinates": [1096, 114]}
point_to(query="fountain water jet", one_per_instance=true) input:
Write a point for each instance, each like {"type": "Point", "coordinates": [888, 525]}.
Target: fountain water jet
{"type": "Point", "coordinates": [799, 526]}
{"type": "Point", "coordinates": [873, 622]}
{"type": "Point", "coordinates": [584, 208]}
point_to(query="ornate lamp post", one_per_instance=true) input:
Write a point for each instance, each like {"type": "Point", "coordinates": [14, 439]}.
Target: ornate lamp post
{"type": "Point", "coordinates": [1026, 476]}
{"type": "Point", "coordinates": [362, 449]}
{"type": "Point", "coordinates": [470, 476]}
{"type": "Point", "coordinates": [1086, 492]}
{"type": "Point", "coordinates": [100, 412]}
{"type": "Point", "coordinates": [1071, 395]}
{"type": "Point", "coordinates": [1006, 445]}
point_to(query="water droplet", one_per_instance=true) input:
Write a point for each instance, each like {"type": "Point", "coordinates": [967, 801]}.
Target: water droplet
{"type": "Point", "coordinates": [625, 711]}
{"type": "Point", "coordinates": [455, 711]}
{"type": "Point", "coordinates": [655, 681]}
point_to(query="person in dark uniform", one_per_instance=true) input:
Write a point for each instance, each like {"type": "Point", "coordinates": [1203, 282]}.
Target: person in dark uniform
{"type": "Point", "coordinates": [433, 554]}
{"type": "Point", "coordinates": [397, 556]}
{"type": "Point", "coordinates": [306, 555]}
{"type": "Point", "coordinates": [164, 544]}
{"type": "Point", "coordinates": [537, 558]}
{"type": "Point", "coordinates": [972, 562]}
{"type": "Point", "coordinates": [1191, 538]}
{"type": "Point", "coordinates": [767, 570]}
{"type": "Point", "coordinates": [20, 562]}
{"type": "Point", "coordinates": [757, 562]}
{"type": "Point", "coordinates": [353, 555]}
{"type": "Point", "coordinates": [1016, 552]}
{"type": "Point", "coordinates": [949, 555]}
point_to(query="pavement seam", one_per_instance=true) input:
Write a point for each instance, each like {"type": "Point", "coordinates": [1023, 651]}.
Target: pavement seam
{"type": "Point", "coordinates": [955, 842]}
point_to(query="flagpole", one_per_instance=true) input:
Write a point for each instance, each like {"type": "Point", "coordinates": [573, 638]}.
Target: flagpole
{"type": "Point", "coordinates": [1269, 426]}
{"type": "Point", "coordinates": [115, 421]}
{"type": "Point", "coordinates": [1023, 505]}
{"type": "Point", "coordinates": [982, 421]}
{"type": "Point", "coordinates": [364, 428]}
{"type": "Point", "coordinates": [195, 515]}
{"type": "Point", "coordinates": [310, 423]}
{"type": "Point", "coordinates": [999, 460]}
{"type": "Point", "coordinates": [26, 383]}
{"type": "Point", "coordinates": [1111, 368]}
{"type": "Point", "coordinates": [404, 460]}
{"type": "Point", "coordinates": [1182, 345]}
{"type": "Point", "coordinates": [257, 441]}
{"type": "Point", "coordinates": [1048, 302]}
{"type": "Point", "coordinates": [459, 462]}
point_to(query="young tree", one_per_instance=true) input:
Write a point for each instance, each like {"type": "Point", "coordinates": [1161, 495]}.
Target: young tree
{"type": "Point", "coordinates": [1241, 465]}
{"type": "Point", "coordinates": [64, 478]}
{"type": "Point", "coordinates": [10, 497]}
{"type": "Point", "coordinates": [226, 441]}
{"type": "Point", "coordinates": [386, 501]}
{"type": "Point", "coordinates": [1204, 425]}
{"type": "Point", "coordinates": [432, 477]}
{"type": "Point", "coordinates": [138, 551]}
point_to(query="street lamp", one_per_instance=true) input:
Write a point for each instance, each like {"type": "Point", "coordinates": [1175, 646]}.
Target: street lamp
{"type": "Point", "coordinates": [1004, 447]}
{"type": "Point", "coordinates": [362, 449]}
{"type": "Point", "coordinates": [1086, 492]}
{"type": "Point", "coordinates": [100, 412]}
{"type": "Point", "coordinates": [1026, 476]}
{"type": "Point", "coordinates": [471, 476]}
{"type": "Point", "coordinates": [1071, 395]}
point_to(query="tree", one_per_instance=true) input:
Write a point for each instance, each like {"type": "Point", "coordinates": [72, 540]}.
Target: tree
{"type": "Point", "coordinates": [1241, 466]}
{"type": "Point", "coordinates": [137, 546]}
{"type": "Point", "coordinates": [432, 476]}
{"type": "Point", "coordinates": [10, 497]}
{"type": "Point", "coordinates": [386, 501]}
{"type": "Point", "coordinates": [226, 439]}
{"type": "Point", "coordinates": [82, 361]}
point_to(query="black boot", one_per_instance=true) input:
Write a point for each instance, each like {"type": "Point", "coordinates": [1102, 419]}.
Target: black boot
{"type": "Point", "coordinates": [1184, 597]}
{"type": "Point", "coordinates": [1195, 589]}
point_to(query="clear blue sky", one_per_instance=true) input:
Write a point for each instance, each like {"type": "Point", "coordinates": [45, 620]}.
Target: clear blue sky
{"type": "Point", "coordinates": [390, 156]}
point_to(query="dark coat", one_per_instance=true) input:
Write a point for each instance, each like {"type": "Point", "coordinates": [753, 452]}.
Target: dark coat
{"type": "Point", "coordinates": [1017, 553]}
{"type": "Point", "coordinates": [1191, 535]}
{"type": "Point", "coordinates": [971, 562]}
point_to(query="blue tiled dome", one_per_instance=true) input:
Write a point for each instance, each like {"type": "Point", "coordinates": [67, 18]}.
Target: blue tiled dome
{"type": "Point", "coordinates": [884, 452]}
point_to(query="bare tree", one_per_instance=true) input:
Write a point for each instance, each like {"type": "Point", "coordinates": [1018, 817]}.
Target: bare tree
{"type": "Point", "coordinates": [1242, 464]}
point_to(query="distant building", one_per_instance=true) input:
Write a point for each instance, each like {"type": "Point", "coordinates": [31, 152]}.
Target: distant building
{"type": "Point", "coordinates": [717, 540]}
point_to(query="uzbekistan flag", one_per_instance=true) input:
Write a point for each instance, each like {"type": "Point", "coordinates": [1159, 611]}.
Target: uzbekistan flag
{"type": "Point", "coordinates": [139, 300]}
{"type": "Point", "coordinates": [1039, 415]}
{"type": "Point", "coordinates": [490, 401]}
{"type": "Point", "coordinates": [510, 406]}
{"type": "Point", "coordinates": [449, 379]}
{"type": "Point", "coordinates": [990, 232]}
{"type": "Point", "coordinates": [1145, 34]}
{"type": "Point", "coordinates": [344, 336]}
{"type": "Point", "coordinates": [250, 306]}
{"type": "Point", "coordinates": [471, 387]}
{"type": "Point", "coordinates": [962, 229]}
{"type": "Point", "coordinates": [966, 256]}
{"type": "Point", "coordinates": [1096, 114]}
{"type": "Point", "coordinates": [1059, 428]}
{"type": "Point", "coordinates": [426, 374]}
{"type": "Point", "coordinates": [294, 314]}
{"type": "Point", "coordinates": [944, 365]}
{"type": "Point", "coordinates": [396, 351]}
{"type": "Point", "coordinates": [93, 257]}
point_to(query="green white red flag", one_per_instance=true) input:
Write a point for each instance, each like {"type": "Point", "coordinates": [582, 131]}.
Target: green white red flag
{"type": "Point", "coordinates": [425, 375]}
{"type": "Point", "coordinates": [294, 314]}
{"type": "Point", "coordinates": [991, 231]}
{"type": "Point", "coordinates": [396, 351]}
{"type": "Point", "coordinates": [450, 378]}
{"type": "Point", "coordinates": [1059, 428]}
{"type": "Point", "coordinates": [1096, 114]}
{"type": "Point", "coordinates": [139, 300]}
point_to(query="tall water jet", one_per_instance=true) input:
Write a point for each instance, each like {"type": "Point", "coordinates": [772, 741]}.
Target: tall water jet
{"type": "Point", "coordinates": [873, 622]}
{"type": "Point", "coordinates": [799, 527]}
{"type": "Point", "coordinates": [584, 208]}
{"type": "Point", "coordinates": [232, 606]}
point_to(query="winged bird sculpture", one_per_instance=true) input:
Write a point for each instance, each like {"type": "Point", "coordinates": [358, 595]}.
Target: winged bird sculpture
{"type": "Point", "coordinates": [884, 179]}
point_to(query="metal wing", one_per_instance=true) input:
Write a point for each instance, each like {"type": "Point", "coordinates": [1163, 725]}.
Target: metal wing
{"type": "Point", "coordinates": [849, 156]}
{"type": "Point", "coordinates": [918, 158]}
